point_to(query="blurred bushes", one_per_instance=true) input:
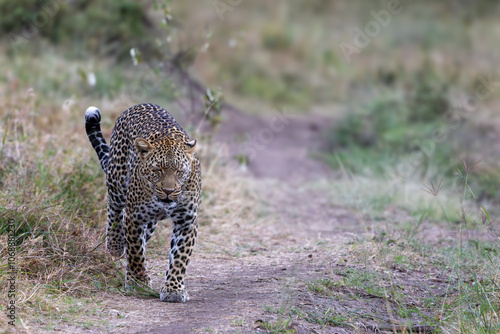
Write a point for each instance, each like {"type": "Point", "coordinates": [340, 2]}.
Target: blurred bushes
{"type": "Point", "coordinates": [393, 126]}
{"type": "Point", "coordinates": [102, 27]}
{"type": "Point", "coordinates": [401, 131]}
{"type": "Point", "coordinates": [275, 38]}
{"type": "Point", "coordinates": [17, 16]}
{"type": "Point", "coordinates": [486, 183]}
{"type": "Point", "coordinates": [387, 131]}
{"type": "Point", "coordinates": [396, 122]}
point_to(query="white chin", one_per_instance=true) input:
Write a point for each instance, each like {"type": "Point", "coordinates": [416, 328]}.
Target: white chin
{"type": "Point", "coordinates": [170, 205]}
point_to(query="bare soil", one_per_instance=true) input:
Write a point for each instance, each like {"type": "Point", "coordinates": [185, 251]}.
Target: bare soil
{"type": "Point", "coordinates": [279, 147]}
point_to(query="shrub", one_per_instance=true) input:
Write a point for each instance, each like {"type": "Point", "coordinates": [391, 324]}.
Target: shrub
{"type": "Point", "coordinates": [103, 27]}
{"type": "Point", "coordinates": [393, 126]}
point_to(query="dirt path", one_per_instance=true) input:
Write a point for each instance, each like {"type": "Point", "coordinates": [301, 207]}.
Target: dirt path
{"type": "Point", "coordinates": [229, 297]}
{"type": "Point", "coordinates": [278, 147]}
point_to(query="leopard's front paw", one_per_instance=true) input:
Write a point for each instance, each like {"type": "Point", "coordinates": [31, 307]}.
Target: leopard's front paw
{"type": "Point", "coordinates": [173, 296]}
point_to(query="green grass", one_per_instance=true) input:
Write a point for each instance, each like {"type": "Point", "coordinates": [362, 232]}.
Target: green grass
{"type": "Point", "coordinates": [324, 317]}
{"type": "Point", "coordinates": [281, 324]}
{"type": "Point", "coordinates": [398, 275]}
{"type": "Point", "coordinates": [238, 322]}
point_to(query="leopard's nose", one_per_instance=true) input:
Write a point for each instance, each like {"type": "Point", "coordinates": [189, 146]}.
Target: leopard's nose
{"type": "Point", "coordinates": [168, 191]}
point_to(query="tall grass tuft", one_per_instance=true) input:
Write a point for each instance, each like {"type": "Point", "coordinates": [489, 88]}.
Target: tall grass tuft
{"type": "Point", "coordinates": [54, 195]}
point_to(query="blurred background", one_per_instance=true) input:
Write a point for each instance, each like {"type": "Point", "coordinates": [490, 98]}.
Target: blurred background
{"type": "Point", "coordinates": [314, 118]}
{"type": "Point", "coordinates": [409, 87]}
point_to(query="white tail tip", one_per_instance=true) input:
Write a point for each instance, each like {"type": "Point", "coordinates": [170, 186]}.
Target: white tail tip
{"type": "Point", "coordinates": [92, 115]}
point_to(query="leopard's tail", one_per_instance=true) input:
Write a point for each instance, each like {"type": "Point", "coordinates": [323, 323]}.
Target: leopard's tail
{"type": "Point", "coordinates": [93, 128]}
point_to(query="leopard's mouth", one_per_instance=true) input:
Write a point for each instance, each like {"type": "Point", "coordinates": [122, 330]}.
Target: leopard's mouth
{"type": "Point", "coordinates": [167, 198]}
{"type": "Point", "coordinates": [164, 198]}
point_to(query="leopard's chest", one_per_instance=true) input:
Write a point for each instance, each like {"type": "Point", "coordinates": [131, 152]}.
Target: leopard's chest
{"type": "Point", "coordinates": [154, 208]}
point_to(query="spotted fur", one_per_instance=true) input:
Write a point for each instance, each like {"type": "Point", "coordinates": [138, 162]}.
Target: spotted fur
{"type": "Point", "coordinates": [152, 173]}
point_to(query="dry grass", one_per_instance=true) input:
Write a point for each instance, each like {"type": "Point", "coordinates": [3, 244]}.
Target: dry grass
{"type": "Point", "coordinates": [54, 190]}
{"type": "Point", "coordinates": [55, 196]}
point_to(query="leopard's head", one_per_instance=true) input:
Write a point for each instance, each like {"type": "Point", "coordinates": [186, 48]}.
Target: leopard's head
{"type": "Point", "coordinates": [166, 165]}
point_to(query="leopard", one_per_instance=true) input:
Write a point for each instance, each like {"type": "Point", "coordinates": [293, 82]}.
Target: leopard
{"type": "Point", "coordinates": [152, 173]}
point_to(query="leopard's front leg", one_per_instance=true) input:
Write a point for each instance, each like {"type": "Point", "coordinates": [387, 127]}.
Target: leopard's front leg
{"type": "Point", "coordinates": [185, 231]}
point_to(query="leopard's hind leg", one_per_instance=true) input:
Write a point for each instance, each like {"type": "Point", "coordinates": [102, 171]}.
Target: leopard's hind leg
{"type": "Point", "coordinates": [115, 230]}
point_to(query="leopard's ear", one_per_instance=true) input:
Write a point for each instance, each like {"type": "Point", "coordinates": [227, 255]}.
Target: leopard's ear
{"type": "Point", "coordinates": [143, 147]}
{"type": "Point", "coordinates": [189, 148]}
